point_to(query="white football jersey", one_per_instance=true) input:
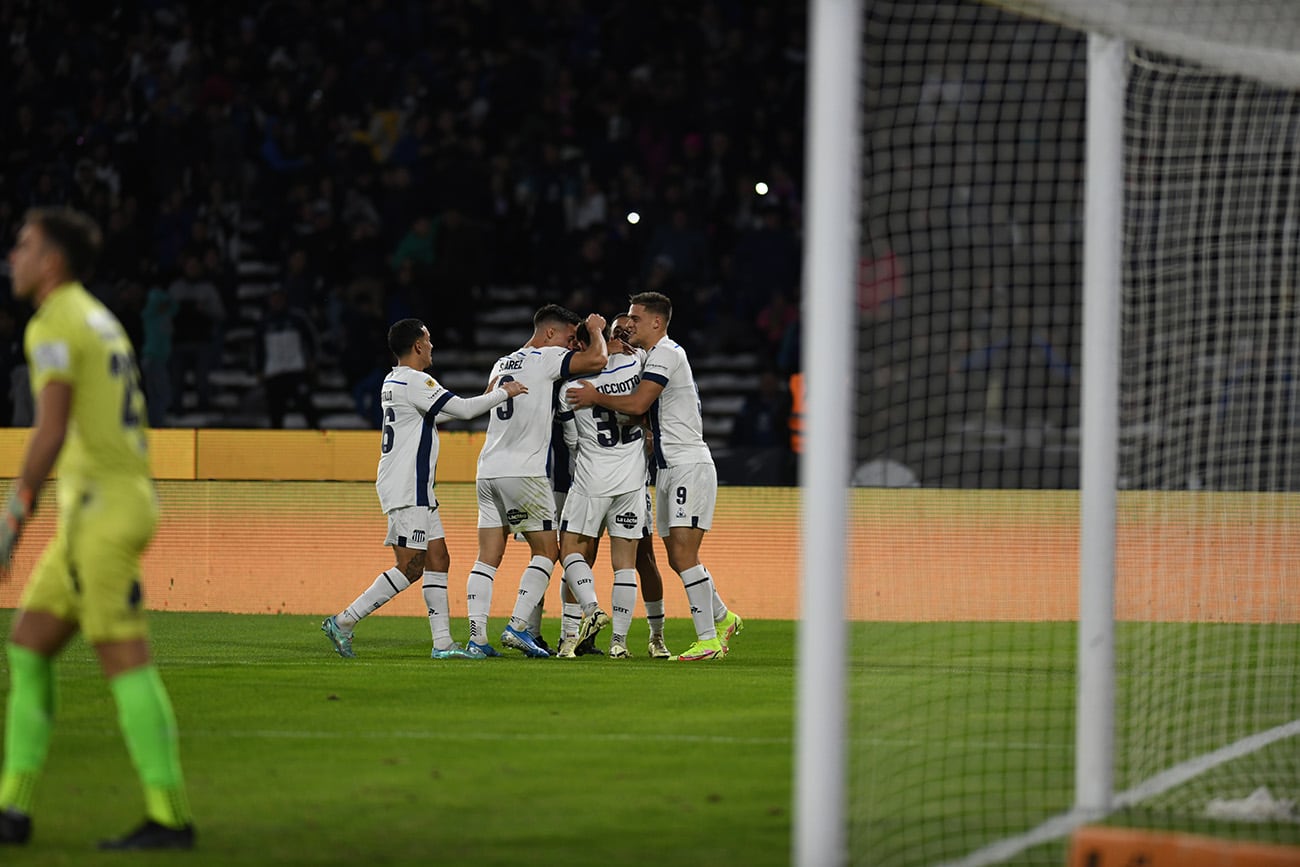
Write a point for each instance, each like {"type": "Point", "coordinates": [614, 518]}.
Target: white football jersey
{"type": "Point", "coordinates": [611, 451]}
{"type": "Point", "coordinates": [408, 454]}
{"type": "Point", "coordinates": [518, 439]}
{"type": "Point", "coordinates": [675, 418]}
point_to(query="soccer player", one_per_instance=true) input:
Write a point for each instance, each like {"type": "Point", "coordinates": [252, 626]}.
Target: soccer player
{"type": "Point", "coordinates": [412, 401]}
{"type": "Point", "coordinates": [560, 471]}
{"type": "Point", "coordinates": [89, 419]}
{"type": "Point", "coordinates": [608, 492]}
{"type": "Point", "coordinates": [687, 481]}
{"type": "Point", "coordinates": [514, 492]}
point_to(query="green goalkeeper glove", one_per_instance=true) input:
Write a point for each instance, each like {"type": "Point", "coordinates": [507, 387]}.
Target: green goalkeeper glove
{"type": "Point", "coordinates": [16, 514]}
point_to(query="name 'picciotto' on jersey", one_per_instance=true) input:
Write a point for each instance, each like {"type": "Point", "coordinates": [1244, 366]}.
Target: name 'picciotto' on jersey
{"type": "Point", "coordinates": [518, 442]}
{"type": "Point", "coordinates": [611, 451]}
{"type": "Point", "coordinates": [675, 418]}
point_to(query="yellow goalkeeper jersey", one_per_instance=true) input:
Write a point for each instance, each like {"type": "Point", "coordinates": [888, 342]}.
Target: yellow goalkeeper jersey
{"type": "Point", "coordinates": [73, 338]}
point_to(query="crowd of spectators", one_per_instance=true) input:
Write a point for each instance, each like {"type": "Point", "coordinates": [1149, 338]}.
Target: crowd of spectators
{"type": "Point", "coordinates": [401, 156]}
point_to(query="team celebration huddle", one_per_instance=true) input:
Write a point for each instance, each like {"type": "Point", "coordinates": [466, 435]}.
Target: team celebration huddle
{"type": "Point", "coordinates": [578, 418]}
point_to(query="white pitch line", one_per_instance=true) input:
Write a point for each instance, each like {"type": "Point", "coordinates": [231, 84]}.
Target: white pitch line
{"type": "Point", "coordinates": [1066, 823]}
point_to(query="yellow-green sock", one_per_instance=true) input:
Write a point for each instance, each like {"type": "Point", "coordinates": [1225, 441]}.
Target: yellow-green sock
{"type": "Point", "coordinates": [144, 712]}
{"type": "Point", "coordinates": [28, 725]}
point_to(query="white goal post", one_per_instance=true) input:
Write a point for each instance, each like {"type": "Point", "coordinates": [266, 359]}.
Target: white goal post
{"type": "Point", "coordinates": [830, 257]}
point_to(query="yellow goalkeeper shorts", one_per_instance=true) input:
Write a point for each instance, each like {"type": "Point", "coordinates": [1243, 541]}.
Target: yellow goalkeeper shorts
{"type": "Point", "coordinates": [90, 573]}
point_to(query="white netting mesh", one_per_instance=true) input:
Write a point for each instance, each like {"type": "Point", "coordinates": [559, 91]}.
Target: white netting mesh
{"type": "Point", "coordinates": [1208, 649]}
{"type": "Point", "coordinates": [962, 676]}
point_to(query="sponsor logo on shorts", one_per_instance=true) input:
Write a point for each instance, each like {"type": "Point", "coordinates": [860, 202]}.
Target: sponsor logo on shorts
{"type": "Point", "coordinates": [516, 516]}
{"type": "Point", "coordinates": [681, 513]}
{"type": "Point", "coordinates": [627, 519]}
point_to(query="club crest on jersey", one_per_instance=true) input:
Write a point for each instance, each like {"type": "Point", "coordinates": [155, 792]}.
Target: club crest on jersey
{"type": "Point", "coordinates": [516, 516]}
{"type": "Point", "coordinates": [417, 535]}
{"type": "Point", "coordinates": [431, 382]}
{"type": "Point", "coordinates": [627, 519]}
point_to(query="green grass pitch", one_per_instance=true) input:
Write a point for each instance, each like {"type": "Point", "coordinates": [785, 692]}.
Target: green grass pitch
{"type": "Point", "coordinates": [295, 756]}
{"type": "Point", "coordinates": [961, 734]}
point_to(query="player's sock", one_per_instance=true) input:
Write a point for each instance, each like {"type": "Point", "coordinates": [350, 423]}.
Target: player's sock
{"type": "Point", "coordinates": [532, 589]}
{"type": "Point", "coordinates": [719, 608]}
{"type": "Point", "coordinates": [654, 616]}
{"type": "Point", "coordinates": [535, 618]}
{"type": "Point", "coordinates": [699, 592]}
{"type": "Point", "coordinates": [571, 621]}
{"type": "Point", "coordinates": [386, 586]}
{"type": "Point", "coordinates": [622, 600]}
{"type": "Point", "coordinates": [27, 727]}
{"type": "Point", "coordinates": [434, 586]}
{"type": "Point", "coordinates": [144, 712]}
{"type": "Point", "coordinates": [581, 581]}
{"type": "Point", "coordinates": [478, 598]}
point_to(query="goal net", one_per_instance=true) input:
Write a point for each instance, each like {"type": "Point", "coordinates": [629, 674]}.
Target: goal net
{"type": "Point", "coordinates": [964, 560]}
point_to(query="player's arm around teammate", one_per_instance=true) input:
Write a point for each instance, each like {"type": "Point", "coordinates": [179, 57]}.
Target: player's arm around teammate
{"type": "Point", "coordinates": [492, 540]}
{"type": "Point", "coordinates": [512, 483]}
{"type": "Point", "coordinates": [412, 402]}
{"type": "Point", "coordinates": [686, 471]}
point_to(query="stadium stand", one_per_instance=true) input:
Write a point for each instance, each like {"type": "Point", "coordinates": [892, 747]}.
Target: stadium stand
{"type": "Point", "coordinates": [444, 160]}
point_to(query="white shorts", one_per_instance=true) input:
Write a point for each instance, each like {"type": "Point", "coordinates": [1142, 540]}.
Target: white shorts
{"type": "Point", "coordinates": [414, 527]}
{"type": "Point", "coordinates": [625, 515]}
{"type": "Point", "coordinates": [685, 497]}
{"type": "Point", "coordinates": [559, 510]}
{"type": "Point", "coordinates": [524, 505]}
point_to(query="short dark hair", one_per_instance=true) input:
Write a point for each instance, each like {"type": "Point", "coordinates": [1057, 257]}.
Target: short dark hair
{"type": "Point", "coordinates": [555, 313]}
{"type": "Point", "coordinates": [655, 302]}
{"type": "Point", "coordinates": [403, 334]}
{"type": "Point", "coordinates": [613, 324]}
{"type": "Point", "coordinates": [582, 334]}
{"type": "Point", "coordinates": [74, 234]}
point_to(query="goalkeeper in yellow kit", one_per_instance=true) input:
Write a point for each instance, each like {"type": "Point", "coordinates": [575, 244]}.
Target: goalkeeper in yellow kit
{"type": "Point", "coordinates": [89, 417]}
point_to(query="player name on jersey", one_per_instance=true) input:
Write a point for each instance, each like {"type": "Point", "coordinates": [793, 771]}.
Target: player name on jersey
{"type": "Point", "coordinates": [627, 386]}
